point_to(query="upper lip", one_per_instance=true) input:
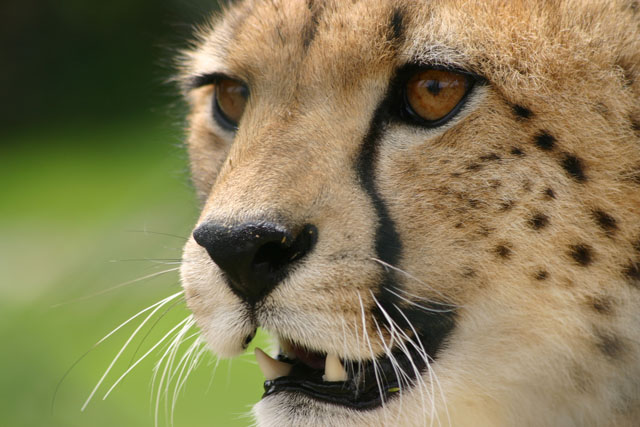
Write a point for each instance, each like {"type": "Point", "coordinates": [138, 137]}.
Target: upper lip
{"type": "Point", "coordinates": [358, 384]}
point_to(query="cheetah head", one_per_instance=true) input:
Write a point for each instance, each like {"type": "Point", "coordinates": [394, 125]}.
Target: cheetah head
{"type": "Point", "coordinates": [433, 206]}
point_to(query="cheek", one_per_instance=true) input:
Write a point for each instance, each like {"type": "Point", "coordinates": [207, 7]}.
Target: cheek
{"type": "Point", "coordinates": [445, 223]}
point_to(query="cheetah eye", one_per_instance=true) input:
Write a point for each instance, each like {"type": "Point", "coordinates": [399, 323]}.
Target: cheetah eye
{"type": "Point", "coordinates": [432, 96]}
{"type": "Point", "coordinates": [229, 101]}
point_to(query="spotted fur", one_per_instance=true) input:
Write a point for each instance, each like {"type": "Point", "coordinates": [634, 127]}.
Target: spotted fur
{"type": "Point", "coordinates": [522, 213]}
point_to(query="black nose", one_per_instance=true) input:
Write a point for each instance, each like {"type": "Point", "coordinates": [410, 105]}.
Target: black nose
{"type": "Point", "coordinates": [256, 256]}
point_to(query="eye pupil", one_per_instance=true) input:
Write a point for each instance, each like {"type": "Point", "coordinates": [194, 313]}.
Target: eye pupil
{"type": "Point", "coordinates": [433, 86]}
{"type": "Point", "coordinates": [230, 101]}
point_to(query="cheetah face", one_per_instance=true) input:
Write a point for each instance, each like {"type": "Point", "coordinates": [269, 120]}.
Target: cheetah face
{"type": "Point", "coordinates": [429, 205]}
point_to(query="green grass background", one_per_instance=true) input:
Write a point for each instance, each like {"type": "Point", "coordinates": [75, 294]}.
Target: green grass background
{"type": "Point", "coordinates": [74, 209]}
{"type": "Point", "coordinates": [91, 169]}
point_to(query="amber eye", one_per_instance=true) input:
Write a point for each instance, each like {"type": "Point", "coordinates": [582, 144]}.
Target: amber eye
{"type": "Point", "coordinates": [229, 102]}
{"type": "Point", "coordinates": [433, 95]}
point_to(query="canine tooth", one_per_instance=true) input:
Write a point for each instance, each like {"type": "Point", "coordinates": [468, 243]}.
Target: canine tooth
{"type": "Point", "coordinates": [271, 368]}
{"type": "Point", "coordinates": [333, 370]}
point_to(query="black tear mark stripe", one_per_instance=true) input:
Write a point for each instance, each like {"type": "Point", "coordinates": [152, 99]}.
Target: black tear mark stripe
{"type": "Point", "coordinates": [388, 243]}
{"type": "Point", "coordinates": [434, 322]}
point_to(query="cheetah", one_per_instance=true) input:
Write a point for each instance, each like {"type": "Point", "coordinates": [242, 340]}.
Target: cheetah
{"type": "Point", "coordinates": [433, 206]}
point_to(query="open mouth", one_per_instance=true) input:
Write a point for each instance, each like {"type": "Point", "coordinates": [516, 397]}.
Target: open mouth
{"type": "Point", "coordinates": [364, 384]}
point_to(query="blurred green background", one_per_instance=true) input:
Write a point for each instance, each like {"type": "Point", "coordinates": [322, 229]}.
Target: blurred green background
{"type": "Point", "coordinates": [95, 193]}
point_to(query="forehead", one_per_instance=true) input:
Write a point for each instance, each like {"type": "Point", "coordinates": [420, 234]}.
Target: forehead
{"type": "Point", "coordinates": [272, 43]}
{"type": "Point", "coordinates": [281, 41]}
{"type": "Point", "coordinates": [320, 39]}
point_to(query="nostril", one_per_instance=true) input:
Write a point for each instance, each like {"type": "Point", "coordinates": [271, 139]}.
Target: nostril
{"type": "Point", "coordinates": [272, 257]}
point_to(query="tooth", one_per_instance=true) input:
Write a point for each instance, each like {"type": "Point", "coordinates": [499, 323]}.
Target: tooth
{"type": "Point", "coordinates": [271, 368]}
{"type": "Point", "coordinates": [333, 370]}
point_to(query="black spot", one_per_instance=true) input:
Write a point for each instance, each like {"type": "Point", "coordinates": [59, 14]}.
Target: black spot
{"type": "Point", "coordinates": [632, 271]}
{"type": "Point", "coordinates": [601, 304]}
{"type": "Point", "coordinates": [574, 167]}
{"type": "Point", "coordinates": [538, 221]}
{"type": "Point", "coordinates": [397, 25]}
{"type": "Point", "coordinates": [473, 203]}
{"type": "Point", "coordinates": [605, 221]}
{"type": "Point", "coordinates": [517, 152]}
{"type": "Point", "coordinates": [541, 275]}
{"type": "Point", "coordinates": [522, 112]}
{"type": "Point", "coordinates": [474, 166]}
{"type": "Point", "coordinates": [506, 205]}
{"type": "Point", "coordinates": [544, 141]}
{"type": "Point", "coordinates": [490, 157]}
{"type": "Point", "coordinates": [609, 344]}
{"type": "Point", "coordinates": [550, 193]}
{"type": "Point", "coordinates": [581, 254]}
{"type": "Point", "coordinates": [503, 251]}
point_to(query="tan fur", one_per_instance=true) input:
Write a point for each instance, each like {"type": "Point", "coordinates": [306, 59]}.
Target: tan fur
{"type": "Point", "coordinates": [539, 338]}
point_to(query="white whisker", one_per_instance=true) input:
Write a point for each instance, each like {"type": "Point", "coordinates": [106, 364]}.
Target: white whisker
{"type": "Point", "coordinates": [434, 310]}
{"type": "Point", "coordinates": [165, 378]}
{"type": "Point", "coordinates": [187, 365]}
{"type": "Point", "coordinates": [135, 332]}
{"type": "Point", "coordinates": [365, 334]}
{"type": "Point", "coordinates": [395, 327]}
{"type": "Point", "coordinates": [386, 265]}
{"type": "Point", "coordinates": [432, 375]}
{"type": "Point", "coordinates": [144, 356]}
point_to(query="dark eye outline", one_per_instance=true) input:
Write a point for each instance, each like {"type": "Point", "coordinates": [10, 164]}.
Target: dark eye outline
{"type": "Point", "coordinates": [406, 112]}
{"type": "Point", "coordinates": [218, 115]}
